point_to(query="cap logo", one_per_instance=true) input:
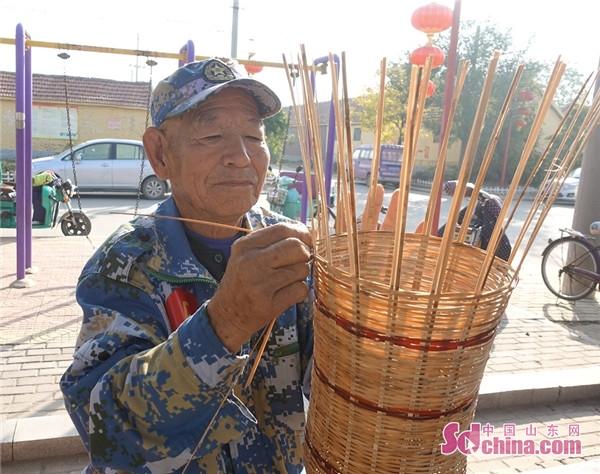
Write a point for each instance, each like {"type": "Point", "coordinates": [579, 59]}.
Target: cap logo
{"type": "Point", "coordinates": [216, 71]}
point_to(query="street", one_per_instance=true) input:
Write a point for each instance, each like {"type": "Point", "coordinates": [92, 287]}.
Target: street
{"type": "Point", "coordinates": [98, 207]}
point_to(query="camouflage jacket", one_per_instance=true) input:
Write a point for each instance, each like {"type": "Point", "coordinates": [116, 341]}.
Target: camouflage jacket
{"type": "Point", "coordinates": [141, 395]}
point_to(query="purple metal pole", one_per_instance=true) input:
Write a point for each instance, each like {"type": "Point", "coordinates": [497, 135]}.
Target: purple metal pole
{"type": "Point", "coordinates": [191, 51]}
{"type": "Point", "coordinates": [20, 146]}
{"type": "Point", "coordinates": [27, 157]}
{"type": "Point", "coordinates": [330, 129]}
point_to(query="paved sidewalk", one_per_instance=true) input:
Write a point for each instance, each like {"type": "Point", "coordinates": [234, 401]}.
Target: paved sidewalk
{"type": "Point", "coordinates": [541, 420]}
{"type": "Point", "coordinates": [39, 326]}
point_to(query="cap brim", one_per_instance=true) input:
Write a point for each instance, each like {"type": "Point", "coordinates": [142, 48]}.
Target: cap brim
{"type": "Point", "coordinates": [267, 101]}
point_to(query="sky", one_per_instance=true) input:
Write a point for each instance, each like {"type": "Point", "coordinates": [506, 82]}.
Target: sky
{"type": "Point", "coordinates": [365, 30]}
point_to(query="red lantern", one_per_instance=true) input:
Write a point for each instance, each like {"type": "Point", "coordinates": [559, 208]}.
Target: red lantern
{"type": "Point", "coordinates": [419, 56]}
{"type": "Point", "coordinates": [432, 18]}
{"type": "Point", "coordinates": [430, 88]}
{"type": "Point", "coordinates": [526, 95]}
{"type": "Point", "coordinates": [520, 123]}
{"type": "Point", "coordinates": [523, 111]}
{"type": "Point", "coordinates": [253, 68]}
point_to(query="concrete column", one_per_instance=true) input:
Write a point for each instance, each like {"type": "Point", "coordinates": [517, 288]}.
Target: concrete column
{"type": "Point", "coordinates": [587, 204]}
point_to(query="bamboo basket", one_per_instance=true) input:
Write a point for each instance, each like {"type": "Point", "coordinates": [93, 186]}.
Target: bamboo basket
{"type": "Point", "coordinates": [391, 368]}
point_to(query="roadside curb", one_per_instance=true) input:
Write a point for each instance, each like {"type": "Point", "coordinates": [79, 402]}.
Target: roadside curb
{"type": "Point", "coordinates": [52, 436]}
{"type": "Point", "coordinates": [500, 391]}
{"type": "Point", "coordinates": [588, 467]}
{"type": "Point", "coordinates": [39, 437]}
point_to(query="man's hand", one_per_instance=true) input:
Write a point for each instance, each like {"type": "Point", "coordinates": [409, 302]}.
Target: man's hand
{"type": "Point", "coordinates": [370, 215]}
{"type": "Point", "coordinates": [265, 275]}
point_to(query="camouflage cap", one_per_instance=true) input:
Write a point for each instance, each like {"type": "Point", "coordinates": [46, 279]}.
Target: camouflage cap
{"type": "Point", "coordinates": [195, 82]}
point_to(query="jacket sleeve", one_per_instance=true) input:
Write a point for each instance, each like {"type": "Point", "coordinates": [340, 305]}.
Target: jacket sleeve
{"type": "Point", "coordinates": [140, 398]}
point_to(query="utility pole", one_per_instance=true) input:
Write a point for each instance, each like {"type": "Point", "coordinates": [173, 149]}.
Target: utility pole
{"type": "Point", "coordinates": [234, 28]}
{"type": "Point", "coordinates": [587, 203]}
{"type": "Point", "coordinates": [137, 58]}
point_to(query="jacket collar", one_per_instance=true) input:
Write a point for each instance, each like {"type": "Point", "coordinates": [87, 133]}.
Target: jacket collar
{"type": "Point", "coordinates": [172, 254]}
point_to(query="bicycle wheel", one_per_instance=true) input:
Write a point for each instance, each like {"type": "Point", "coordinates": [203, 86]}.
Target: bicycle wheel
{"type": "Point", "coordinates": [560, 258]}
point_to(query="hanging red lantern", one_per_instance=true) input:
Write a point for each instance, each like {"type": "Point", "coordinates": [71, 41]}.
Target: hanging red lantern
{"type": "Point", "coordinates": [526, 95]}
{"type": "Point", "coordinates": [519, 124]}
{"type": "Point", "coordinates": [253, 68]}
{"type": "Point", "coordinates": [419, 56]}
{"type": "Point", "coordinates": [432, 18]}
{"type": "Point", "coordinates": [430, 88]}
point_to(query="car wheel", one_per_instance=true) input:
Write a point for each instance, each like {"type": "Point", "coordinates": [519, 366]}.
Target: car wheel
{"type": "Point", "coordinates": [153, 188]}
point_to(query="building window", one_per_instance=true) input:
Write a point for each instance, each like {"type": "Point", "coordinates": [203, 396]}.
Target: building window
{"type": "Point", "coordinates": [356, 134]}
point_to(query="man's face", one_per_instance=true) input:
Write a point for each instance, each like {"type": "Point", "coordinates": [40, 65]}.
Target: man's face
{"type": "Point", "coordinates": [216, 157]}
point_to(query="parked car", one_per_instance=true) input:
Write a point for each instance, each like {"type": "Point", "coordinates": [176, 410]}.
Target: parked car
{"type": "Point", "coordinates": [106, 165]}
{"type": "Point", "coordinates": [389, 165]}
{"type": "Point", "coordinates": [568, 191]}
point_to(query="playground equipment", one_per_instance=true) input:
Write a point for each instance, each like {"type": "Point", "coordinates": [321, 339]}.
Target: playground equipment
{"type": "Point", "coordinates": [23, 107]}
{"type": "Point", "coordinates": [23, 48]}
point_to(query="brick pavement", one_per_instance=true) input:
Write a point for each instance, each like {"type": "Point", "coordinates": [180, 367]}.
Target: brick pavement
{"type": "Point", "coordinates": [39, 325]}
{"type": "Point", "coordinates": [584, 414]}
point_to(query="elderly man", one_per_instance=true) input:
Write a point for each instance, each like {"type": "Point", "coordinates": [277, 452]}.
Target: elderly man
{"type": "Point", "coordinates": [149, 389]}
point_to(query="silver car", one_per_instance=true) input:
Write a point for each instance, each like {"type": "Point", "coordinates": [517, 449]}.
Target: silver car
{"type": "Point", "coordinates": [106, 165]}
{"type": "Point", "coordinates": [568, 191]}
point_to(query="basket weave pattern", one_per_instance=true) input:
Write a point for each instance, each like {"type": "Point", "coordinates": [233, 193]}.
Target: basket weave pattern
{"type": "Point", "coordinates": [392, 368]}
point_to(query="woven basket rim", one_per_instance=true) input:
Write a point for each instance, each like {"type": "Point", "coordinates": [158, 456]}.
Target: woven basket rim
{"type": "Point", "coordinates": [370, 287]}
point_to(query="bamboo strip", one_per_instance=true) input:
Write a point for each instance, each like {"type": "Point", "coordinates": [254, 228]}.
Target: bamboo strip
{"type": "Point", "coordinates": [404, 184]}
{"type": "Point", "coordinates": [528, 148]}
{"type": "Point", "coordinates": [340, 215]}
{"type": "Point", "coordinates": [420, 107]}
{"type": "Point", "coordinates": [185, 219]}
{"type": "Point", "coordinates": [371, 214]}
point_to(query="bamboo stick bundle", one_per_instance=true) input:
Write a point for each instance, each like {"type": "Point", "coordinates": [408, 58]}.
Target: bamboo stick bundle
{"type": "Point", "coordinates": [303, 140]}
{"type": "Point", "coordinates": [551, 173]}
{"type": "Point", "coordinates": [489, 153]}
{"type": "Point", "coordinates": [353, 228]}
{"type": "Point", "coordinates": [463, 176]}
{"type": "Point", "coordinates": [443, 148]}
{"type": "Point", "coordinates": [348, 210]}
{"type": "Point", "coordinates": [549, 147]}
{"type": "Point", "coordinates": [527, 149]}
{"type": "Point", "coordinates": [552, 186]}
{"type": "Point", "coordinates": [312, 119]}
{"type": "Point", "coordinates": [404, 322]}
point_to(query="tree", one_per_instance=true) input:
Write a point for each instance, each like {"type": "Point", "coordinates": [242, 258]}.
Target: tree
{"type": "Point", "coordinates": [477, 44]}
{"type": "Point", "coordinates": [276, 129]}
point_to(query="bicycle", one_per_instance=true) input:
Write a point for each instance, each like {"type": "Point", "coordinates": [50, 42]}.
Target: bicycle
{"type": "Point", "coordinates": [575, 256]}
